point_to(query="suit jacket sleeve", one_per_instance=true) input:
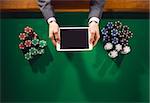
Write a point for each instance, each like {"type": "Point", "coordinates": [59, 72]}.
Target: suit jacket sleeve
{"type": "Point", "coordinates": [96, 8]}
{"type": "Point", "coordinates": [46, 8]}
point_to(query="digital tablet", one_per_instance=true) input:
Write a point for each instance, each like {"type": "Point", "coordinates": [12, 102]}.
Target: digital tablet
{"type": "Point", "coordinates": [74, 39]}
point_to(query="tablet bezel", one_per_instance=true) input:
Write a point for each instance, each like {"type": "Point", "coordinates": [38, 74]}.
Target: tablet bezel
{"type": "Point", "coordinates": [87, 49]}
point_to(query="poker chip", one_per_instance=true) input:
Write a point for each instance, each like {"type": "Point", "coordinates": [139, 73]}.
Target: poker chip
{"type": "Point", "coordinates": [106, 38]}
{"type": "Point", "coordinates": [110, 25]}
{"type": "Point", "coordinates": [125, 29]}
{"type": "Point", "coordinates": [113, 54]}
{"type": "Point", "coordinates": [41, 51]}
{"type": "Point", "coordinates": [124, 42]}
{"type": "Point", "coordinates": [120, 34]}
{"type": "Point", "coordinates": [126, 50]}
{"type": "Point", "coordinates": [27, 29]}
{"type": "Point", "coordinates": [116, 38]}
{"type": "Point", "coordinates": [35, 42]}
{"type": "Point", "coordinates": [125, 34]}
{"type": "Point", "coordinates": [33, 51]}
{"type": "Point", "coordinates": [114, 32]}
{"type": "Point", "coordinates": [31, 45]}
{"type": "Point", "coordinates": [118, 47]}
{"type": "Point", "coordinates": [22, 36]}
{"type": "Point", "coordinates": [129, 35]}
{"type": "Point", "coordinates": [42, 43]}
{"type": "Point", "coordinates": [118, 24]}
{"type": "Point", "coordinates": [108, 46]}
{"type": "Point", "coordinates": [21, 46]}
{"type": "Point", "coordinates": [104, 31]}
{"type": "Point", "coordinates": [28, 43]}
{"type": "Point", "coordinates": [28, 56]}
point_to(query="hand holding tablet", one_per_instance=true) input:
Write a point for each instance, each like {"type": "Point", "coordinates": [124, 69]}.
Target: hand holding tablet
{"type": "Point", "coordinates": [84, 38]}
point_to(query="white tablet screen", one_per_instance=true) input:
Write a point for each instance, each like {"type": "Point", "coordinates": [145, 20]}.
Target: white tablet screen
{"type": "Point", "coordinates": [74, 39]}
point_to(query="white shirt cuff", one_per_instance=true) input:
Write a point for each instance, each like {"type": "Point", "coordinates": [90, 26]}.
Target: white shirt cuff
{"type": "Point", "coordinates": [94, 19]}
{"type": "Point", "coordinates": [51, 19]}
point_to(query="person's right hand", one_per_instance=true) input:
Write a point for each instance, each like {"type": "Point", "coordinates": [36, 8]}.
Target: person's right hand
{"type": "Point", "coordinates": [54, 32]}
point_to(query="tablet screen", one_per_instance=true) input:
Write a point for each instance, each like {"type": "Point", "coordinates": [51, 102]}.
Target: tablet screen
{"type": "Point", "coordinates": [74, 39]}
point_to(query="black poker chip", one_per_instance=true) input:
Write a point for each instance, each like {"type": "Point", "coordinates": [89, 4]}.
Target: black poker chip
{"type": "Point", "coordinates": [115, 33]}
{"type": "Point", "coordinates": [31, 44]}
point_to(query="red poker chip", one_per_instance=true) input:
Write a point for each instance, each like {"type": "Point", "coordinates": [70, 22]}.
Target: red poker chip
{"type": "Point", "coordinates": [28, 43]}
{"type": "Point", "coordinates": [22, 36]}
{"type": "Point", "coordinates": [28, 29]}
{"type": "Point", "coordinates": [21, 46]}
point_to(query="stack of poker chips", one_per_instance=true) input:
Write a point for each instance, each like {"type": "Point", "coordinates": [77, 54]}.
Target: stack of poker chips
{"type": "Point", "coordinates": [116, 38]}
{"type": "Point", "coordinates": [31, 45]}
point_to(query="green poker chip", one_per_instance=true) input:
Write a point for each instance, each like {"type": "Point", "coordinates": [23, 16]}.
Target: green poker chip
{"type": "Point", "coordinates": [32, 46]}
{"type": "Point", "coordinates": [35, 42]}
{"type": "Point", "coordinates": [42, 43]}
{"type": "Point", "coordinates": [41, 51]}
{"type": "Point", "coordinates": [33, 51]}
{"type": "Point", "coordinates": [28, 56]}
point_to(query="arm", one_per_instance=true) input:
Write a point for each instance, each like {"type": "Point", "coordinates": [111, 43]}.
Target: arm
{"type": "Point", "coordinates": [96, 8]}
{"type": "Point", "coordinates": [46, 8]}
{"type": "Point", "coordinates": [48, 13]}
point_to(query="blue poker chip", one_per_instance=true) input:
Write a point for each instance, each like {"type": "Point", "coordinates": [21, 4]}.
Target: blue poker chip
{"type": "Point", "coordinates": [118, 35]}
{"type": "Point", "coordinates": [114, 32]}
{"type": "Point", "coordinates": [110, 25]}
{"type": "Point", "coordinates": [115, 40]}
{"type": "Point", "coordinates": [106, 39]}
{"type": "Point", "coordinates": [104, 31]}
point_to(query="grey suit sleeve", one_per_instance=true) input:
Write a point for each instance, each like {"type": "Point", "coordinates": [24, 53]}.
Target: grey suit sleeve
{"type": "Point", "coordinates": [96, 8]}
{"type": "Point", "coordinates": [46, 8]}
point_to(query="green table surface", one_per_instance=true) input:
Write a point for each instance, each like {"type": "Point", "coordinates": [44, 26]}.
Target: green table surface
{"type": "Point", "coordinates": [84, 77]}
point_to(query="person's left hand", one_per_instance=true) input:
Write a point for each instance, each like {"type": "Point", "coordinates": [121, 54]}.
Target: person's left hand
{"type": "Point", "coordinates": [94, 31]}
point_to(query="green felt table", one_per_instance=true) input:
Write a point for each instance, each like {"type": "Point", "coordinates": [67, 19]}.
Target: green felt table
{"type": "Point", "coordinates": [84, 77]}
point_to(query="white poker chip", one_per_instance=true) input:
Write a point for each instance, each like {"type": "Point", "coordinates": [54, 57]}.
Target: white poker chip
{"type": "Point", "coordinates": [118, 47]}
{"type": "Point", "coordinates": [108, 46]}
{"type": "Point", "coordinates": [126, 50]}
{"type": "Point", "coordinates": [113, 54]}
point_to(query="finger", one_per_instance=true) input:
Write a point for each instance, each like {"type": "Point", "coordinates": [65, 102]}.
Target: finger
{"type": "Point", "coordinates": [92, 32]}
{"type": "Point", "coordinates": [50, 34]}
{"type": "Point", "coordinates": [57, 36]}
{"type": "Point", "coordinates": [97, 37]}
